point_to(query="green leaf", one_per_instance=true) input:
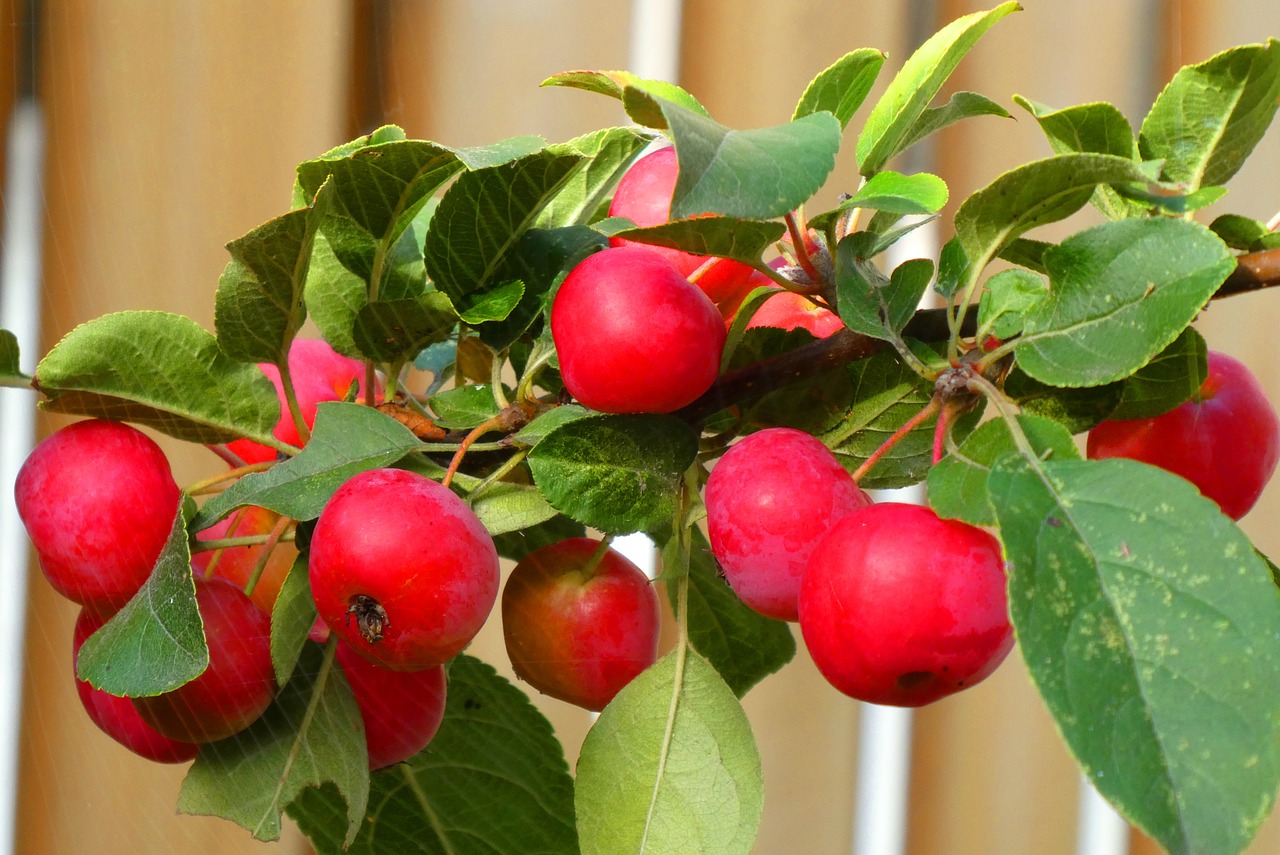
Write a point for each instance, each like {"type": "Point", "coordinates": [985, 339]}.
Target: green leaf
{"type": "Point", "coordinates": [1210, 117]}
{"type": "Point", "coordinates": [481, 219]}
{"type": "Point", "coordinates": [887, 393]}
{"type": "Point", "coordinates": [610, 153]}
{"type": "Point", "coordinates": [347, 439]}
{"type": "Point", "coordinates": [953, 268]}
{"type": "Point", "coordinates": [496, 304]}
{"type": "Point", "coordinates": [670, 766]}
{"type": "Point", "coordinates": [310, 735]}
{"type": "Point", "coordinates": [617, 474]}
{"type": "Point", "coordinates": [724, 237]}
{"type": "Point", "coordinates": [1245, 233]}
{"type": "Point", "coordinates": [464, 407]}
{"type": "Point", "coordinates": [544, 424]}
{"type": "Point", "coordinates": [258, 307]}
{"type": "Point", "coordinates": [842, 86]}
{"type": "Point", "coordinates": [503, 151]}
{"type": "Point", "coordinates": [752, 175]}
{"type": "Point", "coordinates": [638, 103]}
{"type": "Point", "coordinates": [958, 483]}
{"type": "Point", "coordinates": [515, 545]}
{"type": "Point", "coordinates": [1173, 376]}
{"type": "Point", "coordinates": [292, 618]}
{"type": "Point", "coordinates": [1149, 626]}
{"type": "Point", "coordinates": [1027, 253]}
{"type": "Point", "coordinates": [1099, 128]}
{"type": "Point", "coordinates": [896, 193]}
{"type": "Point", "coordinates": [1076, 409]}
{"type": "Point", "coordinates": [156, 642]}
{"type": "Point", "coordinates": [160, 370]}
{"type": "Point", "coordinates": [1119, 293]}
{"type": "Point", "coordinates": [868, 302]}
{"type": "Point", "coordinates": [334, 295]}
{"type": "Point", "coordinates": [813, 404]}
{"type": "Point", "coordinates": [398, 330]}
{"type": "Point", "coordinates": [1035, 194]}
{"type": "Point", "coordinates": [742, 645]}
{"type": "Point", "coordinates": [894, 116]}
{"type": "Point", "coordinates": [961, 106]}
{"type": "Point", "coordinates": [505, 507]}
{"type": "Point", "coordinates": [10, 369]}
{"type": "Point", "coordinates": [493, 782]}
{"type": "Point", "coordinates": [1008, 296]}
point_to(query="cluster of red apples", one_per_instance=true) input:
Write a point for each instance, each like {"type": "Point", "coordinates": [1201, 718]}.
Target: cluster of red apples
{"type": "Point", "coordinates": [896, 605]}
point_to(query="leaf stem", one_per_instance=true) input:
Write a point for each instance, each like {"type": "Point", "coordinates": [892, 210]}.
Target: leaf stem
{"type": "Point", "coordinates": [199, 488]}
{"type": "Point", "coordinates": [498, 474]}
{"type": "Point", "coordinates": [291, 399]}
{"type": "Point", "coordinates": [273, 539]}
{"type": "Point", "coordinates": [244, 540]}
{"type": "Point", "coordinates": [798, 244]}
{"type": "Point", "coordinates": [995, 395]}
{"type": "Point", "coordinates": [469, 440]}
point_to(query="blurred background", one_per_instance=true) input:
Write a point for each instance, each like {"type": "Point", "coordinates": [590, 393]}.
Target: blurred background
{"type": "Point", "coordinates": [172, 128]}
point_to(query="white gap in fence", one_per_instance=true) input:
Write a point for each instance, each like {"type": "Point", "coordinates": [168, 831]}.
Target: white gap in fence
{"type": "Point", "coordinates": [19, 313]}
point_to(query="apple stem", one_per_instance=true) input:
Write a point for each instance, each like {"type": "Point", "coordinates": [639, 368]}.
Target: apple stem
{"type": "Point", "coordinates": [911, 424]}
{"type": "Point", "coordinates": [273, 538]}
{"type": "Point", "coordinates": [593, 563]}
{"type": "Point", "coordinates": [940, 434]}
{"type": "Point", "coordinates": [244, 540]}
{"type": "Point", "coordinates": [213, 485]}
{"type": "Point", "coordinates": [510, 419]}
{"type": "Point", "coordinates": [802, 252]}
{"type": "Point", "coordinates": [497, 475]}
{"type": "Point", "coordinates": [291, 399]}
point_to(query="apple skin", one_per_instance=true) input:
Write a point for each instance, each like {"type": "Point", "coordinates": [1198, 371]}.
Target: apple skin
{"type": "Point", "coordinates": [394, 541]}
{"type": "Point", "coordinates": [788, 310]}
{"type": "Point", "coordinates": [116, 716]}
{"type": "Point", "coordinates": [240, 681]}
{"type": "Point", "coordinates": [769, 500]}
{"type": "Point", "coordinates": [98, 501]}
{"type": "Point", "coordinates": [575, 634]}
{"type": "Point", "coordinates": [633, 335]}
{"type": "Point", "coordinates": [1225, 440]}
{"type": "Point", "coordinates": [401, 710]}
{"type": "Point", "coordinates": [900, 607]}
{"type": "Point", "coordinates": [236, 563]}
{"type": "Point", "coordinates": [319, 373]}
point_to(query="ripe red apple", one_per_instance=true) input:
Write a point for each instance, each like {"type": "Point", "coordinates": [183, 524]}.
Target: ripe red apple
{"type": "Point", "coordinates": [1225, 440]}
{"type": "Point", "coordinates": [319, 373]}
{"type": "Point", "coordinates": [239, 682]}
{"type": "Point", "coordinates": [633, 335]}
{"type": "Point", "coordinates": [98, 500]}
{"type": "Point", "coordinates": [236, 563]}
{"type": "Point", "coordinates": [788, 310]}
{"type": "Point", "coordinates": [769, 500]}
{"type": "Point", "coordinates": [401, 710]}
{"type": "Point", "coordinates": [900, 607]}
{"type": "Point", "coordinates": [116, 716]}
{"type": "Point", "coordinates": [579, 623]}
{"type": "Point", "coordinates": [401, 569]}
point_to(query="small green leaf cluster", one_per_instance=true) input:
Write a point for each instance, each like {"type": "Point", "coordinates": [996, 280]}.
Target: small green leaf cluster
{"type": "Point", "coordinates": [1145, 616]}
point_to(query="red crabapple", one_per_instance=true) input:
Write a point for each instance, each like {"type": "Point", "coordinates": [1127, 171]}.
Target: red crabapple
{"type": "Point", "coordinates": [98, 500]}
{"type": "Point", "coordinates": [579, 623]}
{"type": "Point", "coordinates": [239, 682]}
{"type": "Point", "coordinates": [1225, 440]}
{"type": "Point", "coordinates": [401, 569]}
{"type": "Point", "coordinates": [900, 607]}
{"type": "Point", "coordinates": [401, 710]}
{"type": "Point", "coordinates": [633, 335]}
{"type": "Point", "coordinates": [769, 500]}
{"type": "Point", "coordinates": [788, 310]}
{"type": "Point", "coordinates": [319, 373]}
{"type": "Point", "coordinates": [116, 716]}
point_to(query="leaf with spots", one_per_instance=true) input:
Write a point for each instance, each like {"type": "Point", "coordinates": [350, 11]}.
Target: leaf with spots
{"type": "Point", "coordinates": [494, 781]}
{"type": "Point", "coordinates": [1150, 628]}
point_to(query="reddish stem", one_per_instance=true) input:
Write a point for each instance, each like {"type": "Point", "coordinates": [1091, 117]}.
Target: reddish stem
{"type": "Point", "coordinates": [802, 251]}
{"type": "Point", "coordinates": [885, 447]}
{"type": "Point", "coordinates": [495, 423]}
{"type": "Point", "coordinates": [940, 434]}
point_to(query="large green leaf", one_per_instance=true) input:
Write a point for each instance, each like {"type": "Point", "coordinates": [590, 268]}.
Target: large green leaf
{"type": "Point", "coordinates": [1208, 119]}
{"type": "Point", "coordinates": [618, 474]}
{"type": "Point", "coordinates": [1150, 627]}
{"type": "Point", "coordinates": [347, 439]}
{"type": "Point", "coordinates": [961, 106]}
{"type": "Point", "coordinates": [670, 766]}
{"type": "Point", "coordinates": [842, 86]}
{"type": "Point", "coordinates": [160, 370]}
{"type": "Point", "coordinates": [921, 193]}
{"type": "Point", "coordinates": [642, 108]}
{"type": "Point", "coordinates": [292, 618]}
{"type": "Point", "coordinates": [742, 645]}
{"type": "Point", "coordinates": [258, 307]}
{"type": "Point", "coordinates": [1119, 293]}
{"type": "Point", "coordinates": [757, 174]}
{"type": "Point", "coordinates": [493, 781]}
{"type": "Point", "coordinates": [1099, 128]}
{"type": "Point", "coordinates": [610, 152]}
{"type": "Point", "coordinates": [1172, 377]}
{"type": "Point", "coordinates": [1035, 194]}
{"type": "Point", "coordinates": [482, 218]}
{"type": "Point", "coordinates": [724, 237]}
{"type": "Point", "coordinates": [869, 302]}
{"type": "Point", "coordinates": [310, 735]}
{"type": "Point", "coordinates": [1005, 300]}
{"type": "Point", "coordinates": [156, 642]}
{"type": "Point", "coordinates": [397, 330]}
{"type": "Point", "coordinates": [1077, 409]}
{"type": "Point", "coordinates": [505, 507]}
{"type": "Point", "coordinates": [892, 119]}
